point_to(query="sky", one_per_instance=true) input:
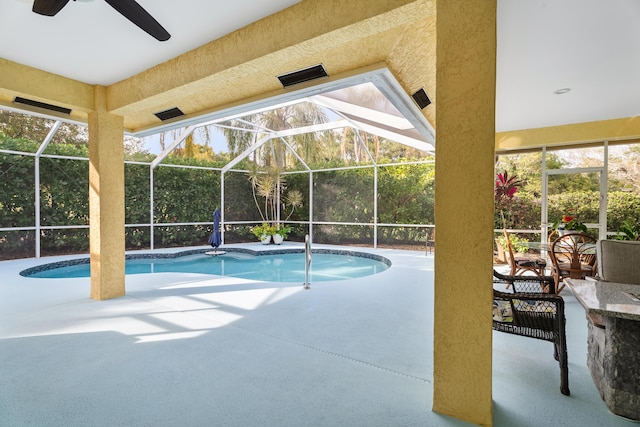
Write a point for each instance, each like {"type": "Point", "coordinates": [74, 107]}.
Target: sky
{"type": "Point", "coordinates": [218, 142]}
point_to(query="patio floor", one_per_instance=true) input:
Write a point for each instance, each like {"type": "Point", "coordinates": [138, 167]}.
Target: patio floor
{"type": "Point", "coordinates": [194, 350]}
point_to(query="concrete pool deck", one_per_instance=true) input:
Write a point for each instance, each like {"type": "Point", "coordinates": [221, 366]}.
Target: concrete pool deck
{"type": "Point", "coordinates": [192, 350]}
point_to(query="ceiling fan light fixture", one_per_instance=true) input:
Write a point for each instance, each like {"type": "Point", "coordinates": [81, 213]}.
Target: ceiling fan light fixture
{"type": "Point", "coordinates": [130, 9]}
{"type": "Point", "coordinates": [48, 7]}
{"type": "Point", "coordinates": [135, 13]}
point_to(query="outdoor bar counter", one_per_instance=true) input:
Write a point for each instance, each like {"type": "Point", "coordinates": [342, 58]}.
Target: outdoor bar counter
{"type": "Point", "coordinates": [613, 314]}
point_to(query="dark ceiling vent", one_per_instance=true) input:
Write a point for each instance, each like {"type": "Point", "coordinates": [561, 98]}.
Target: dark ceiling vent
{"type": "Point", "coordinates": [43, 105]}
{"type": "Point", "coordinates": [171, 113]}
{"type": "Point", "coordinates": [421, 98]}
{"type": "Point", "coordinates": [304, 75]}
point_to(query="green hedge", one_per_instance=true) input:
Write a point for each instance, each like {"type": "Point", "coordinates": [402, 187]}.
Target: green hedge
{"type": "Point", "coordinates": [181, 195]}
{"type": "Point", "coordinates": [622, 206]}
{"type": "Point", "coordinates": [17, 190]}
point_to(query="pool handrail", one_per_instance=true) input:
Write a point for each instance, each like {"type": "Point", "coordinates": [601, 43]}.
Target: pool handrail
{"type": "Point", "coordinates": [307, 261]}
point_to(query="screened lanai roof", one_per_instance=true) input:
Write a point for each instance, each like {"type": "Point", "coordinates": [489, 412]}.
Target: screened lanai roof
{"type": "Point", "coordinates": [367, 119]}
{"type": "Point", "coordinates": [359, 112]}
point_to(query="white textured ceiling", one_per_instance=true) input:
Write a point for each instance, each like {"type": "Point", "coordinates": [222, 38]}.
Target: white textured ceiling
{"type": "Point", "coordinates": [590, 46]}
{"type": "Point", "coordinates": [91, 42]}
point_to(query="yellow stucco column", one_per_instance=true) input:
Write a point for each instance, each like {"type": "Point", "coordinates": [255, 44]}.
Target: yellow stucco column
{"type": "Point", "coordinates": [465, 110]}
{"type": "Point", "coordinates": [106, 200]}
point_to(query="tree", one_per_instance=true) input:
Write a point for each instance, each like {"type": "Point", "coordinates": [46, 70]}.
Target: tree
{"type": "Point", "coordinates": [17, 125]}
{"type": "Point", "coordinates": [269, 184]}
{"type": "Point", "coordinates": [505, 190]}
{"type": "Point", "coordinates": [368, 96]}
{"type": "Point", "coordinates": [624, 170]}
{"type": "Point", "coordinates": [241, 133]}
{"type": "Point", "coordinates": [133, 146]}
{"type": "Point", "coordinates": [196, 145]}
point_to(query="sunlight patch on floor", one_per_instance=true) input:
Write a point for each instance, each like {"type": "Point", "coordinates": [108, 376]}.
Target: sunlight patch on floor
{"type": "Point", "coordinates": [169, 337]}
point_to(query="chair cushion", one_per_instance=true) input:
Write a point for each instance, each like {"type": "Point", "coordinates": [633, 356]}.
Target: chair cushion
{"type": "Point", "coordinates": [502, 311]}
{"type": "Point", "coordinates": [618, 261]}
{"type": "Point", "coordinates": [534, 314]}
{"type": "Point", "coordinates": [530, 262]}
{"type": "Point", "coordinates": [565, 266]}
{"type": "Point", "coordinates": [534, 306]}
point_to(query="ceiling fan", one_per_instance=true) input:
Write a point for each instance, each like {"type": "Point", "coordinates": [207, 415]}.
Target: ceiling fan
{"type": "Point", "coordinates": [130, 9]}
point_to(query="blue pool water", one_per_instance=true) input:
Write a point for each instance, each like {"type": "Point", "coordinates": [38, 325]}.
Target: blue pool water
{"type": "Point", "coordinates": [288, 267]}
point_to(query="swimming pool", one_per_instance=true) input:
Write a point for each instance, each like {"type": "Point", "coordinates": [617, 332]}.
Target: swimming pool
{"type": "Point", "coordinates": [271, 267]}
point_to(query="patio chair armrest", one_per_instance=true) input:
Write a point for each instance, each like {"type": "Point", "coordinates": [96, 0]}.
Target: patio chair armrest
{"type": "Point", "coordinates": [533, 311]}
{"type": "Point", "coordinates": [529, 283]}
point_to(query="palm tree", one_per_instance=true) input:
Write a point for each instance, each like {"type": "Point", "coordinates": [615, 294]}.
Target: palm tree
{"type": "Point", "coordinates": [241, 133]}
{"type": "Point", "coordinates": [196, 145]}
{"type": "Point", "coordinates": [265, 171]}
{"type": "Point", "coordinates": [364, 95]}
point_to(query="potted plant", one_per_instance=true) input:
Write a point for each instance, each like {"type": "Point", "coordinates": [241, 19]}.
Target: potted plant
{"type": "Point", "coordinates": [268, 186]}
{"type": "Point", "coordinates": [281, 233]}
{"type": "Point", "coordinates": [569, 224]}
{"type": "Point", "coordinates": [264, 232]}
{"type": "Point", "coordinates": [628, 231]}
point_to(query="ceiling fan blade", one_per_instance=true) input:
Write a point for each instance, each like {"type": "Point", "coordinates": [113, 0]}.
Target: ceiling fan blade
{"type": "Point", "coordinates": [48, 7]}
{"type": "Point", "coordinates": [131, 10]}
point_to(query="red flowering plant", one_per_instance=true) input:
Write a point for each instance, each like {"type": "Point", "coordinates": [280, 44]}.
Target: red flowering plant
{"type": "Point", "coordinates": [569, 223]}
{"type": "Point", "coordinates": [505, 189]}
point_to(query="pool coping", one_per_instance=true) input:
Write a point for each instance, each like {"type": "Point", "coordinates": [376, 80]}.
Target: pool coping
{"type": "Point", "coordinates": [28, 272]}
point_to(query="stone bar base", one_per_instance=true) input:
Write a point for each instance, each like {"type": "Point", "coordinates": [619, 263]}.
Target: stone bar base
{"type": "Point", "coordinates": [614, 362]}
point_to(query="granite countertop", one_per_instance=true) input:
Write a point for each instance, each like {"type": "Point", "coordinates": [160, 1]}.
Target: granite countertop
{"type": "Point", "coordinates": [620, 300]}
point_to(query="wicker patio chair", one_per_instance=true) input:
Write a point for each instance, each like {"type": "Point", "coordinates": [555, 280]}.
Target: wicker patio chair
{"type": "Point", "coordinates": [529, 284]}
{"type": "Point", "coordinates": [431, 240]}
{"type": "Point", "coordinates": [533, 314]}
{"type": "Point", "coordinates": [520, 264]}
{"type": "Point", "coordinates": [573, 256]}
